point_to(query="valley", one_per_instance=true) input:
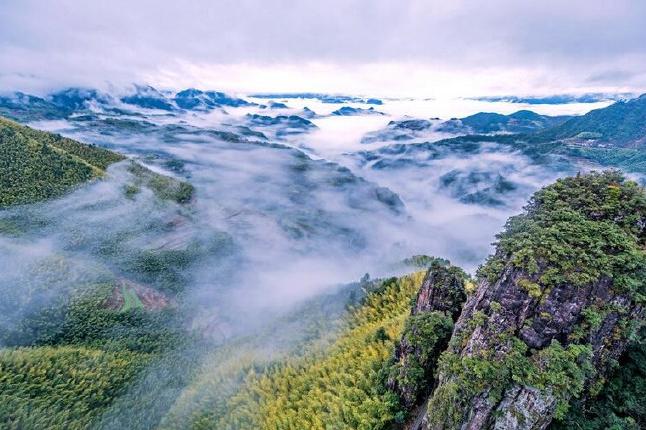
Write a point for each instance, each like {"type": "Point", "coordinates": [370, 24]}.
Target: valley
{"type": "Point", "coordinates": [230, 261]}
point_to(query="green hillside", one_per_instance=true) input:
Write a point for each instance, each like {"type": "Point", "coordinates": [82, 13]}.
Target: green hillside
{"type": "Point", "coordinates": [36, 165]}
{"type": "Point", "coordinates": [623, 124]}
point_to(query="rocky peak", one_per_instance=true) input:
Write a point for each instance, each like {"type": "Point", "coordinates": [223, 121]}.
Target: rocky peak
{"type": "Point", "coordinates": [427, 332]}
{"type": "Point", "coordinates": [554, 308]}
{"type": "Point", "coordinates": [442, 290]}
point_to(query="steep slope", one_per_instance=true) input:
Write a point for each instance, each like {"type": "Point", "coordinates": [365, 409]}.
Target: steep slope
{"type": "Point", "coordinates": [622, 124]}
{"type": "Point", "coordinates": [555, 308]}
{"type": "Point", "coordinates": [427, 332]}
{"type": "Point", "coordinates": [36, 165]}
{"type": "Point", "coordinates": [328, 381]}
{"type": "Point", "coordinates": [621, 404]}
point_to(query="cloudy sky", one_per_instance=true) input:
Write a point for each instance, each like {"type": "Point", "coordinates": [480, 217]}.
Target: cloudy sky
{"type": "Point", "coordinates": [380, 47]}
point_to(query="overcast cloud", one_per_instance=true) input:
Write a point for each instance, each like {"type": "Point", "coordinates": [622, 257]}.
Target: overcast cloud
{"type": "Point", "coordinates": [412, 47]}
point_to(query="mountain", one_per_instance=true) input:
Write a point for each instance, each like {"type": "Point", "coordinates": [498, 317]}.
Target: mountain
{"type": "Point", "coordinates": [427, 332]}
{"type": "Point", "coordinates": [481, 187]}
{"type": "Point", "coordinates": [325, 98]}
{"type": "Point", "coordinates": [127, 302]}
{"type": "Point", "coordinates": [621, 124]}
{"type": "Point", "coordinates": [403, 130]}
{"type": "Point", "coordinates": [411, 124]}
{"type": "Point", "coordinates": [557, 99]}
{"type": "Point", "coordinates": [24, 107]}
{"type": "Point", "coordinates": [285, 124]}
{"type": "Point", "coordinates": [351, 111]}
{"type": "Point", "coordinates": [204, 100]}
{"type": "Point", "coordinates": [611, 137]}
{"type": "Point", "coordinates": [308, 113]}
{"type": "Point", "coordinates": [36, 165]}
{"type": "Point", "coordinates": [482, 123]}
{"type": "Point", "coordinates": [277, 105]}
{"type": "Point", "coordinates": [74, 99]}
{"type": "Point", "coordinates": [147, 97]}
{"type": "Point", "coordinates": [523, 121]}
{"type": "Point", "coordinates": [529, 343]}
{"type": "Point", "coordinates": [556, 306]}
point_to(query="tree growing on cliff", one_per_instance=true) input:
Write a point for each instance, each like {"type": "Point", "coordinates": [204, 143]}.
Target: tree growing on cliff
{"type": "Point", "coordinates": [555, 308]}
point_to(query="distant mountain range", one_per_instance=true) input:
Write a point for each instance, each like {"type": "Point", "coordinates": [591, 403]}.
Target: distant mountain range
{"type": "Point", "coordinates": [61, 104]}
{"type": "Point", "coordinates": [558, 98]}
{"type": "Point", "coordinates": [611, 137]}
{"type": "Point", "coordinates": [205, 100]}
{"type": "Point", "coordinates": [523, 121]}
{"type": "Point", "coordinates": [325, 98]}
{"type": "Point", "coordinates": [622, 124]}
{"type": "Point", "coordinates": [64, 103]}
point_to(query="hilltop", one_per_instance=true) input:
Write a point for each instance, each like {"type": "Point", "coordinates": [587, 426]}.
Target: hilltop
{"type": "Point", "coordinates": [556, 306]}
{"type": "Point", "coordinates": [36, 165]}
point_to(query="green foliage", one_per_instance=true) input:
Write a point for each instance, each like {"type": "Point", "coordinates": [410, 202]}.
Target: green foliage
{"type": "Point", "coordinates": [36, 165]}
{"type": "Point", "coordinates": [561, 370]}
{"type": "Point", "coordinates": [166, 269]}
{"type": "Point", "coordinates": [130, 299]}
{"type": "Point", "coordinates": [164, 187]}
{"type": "Point", "coordinates": [91, 154]}
{"type": "Point", "coordinates": [575, 232]}
{"type": "Point", "coordinates": [83, 356]}
{"type": "Point", "coordinates": [338, 387]}
{"type": "Point", "coordinates": [532, 288]}
{"type": "Point", "coordinates": [425, 337]}
{"type": "Point", "coordinates": [424, 261]}
{"type": "Point", "coordinates": [621, 404]}
{"type": "Point", "coordinates": [83, 317]}
{"type": "Point", "coordinates": [622, 123]}
{"type": "Point", "coordinates": [628, 159]}
{"type": "Point", "coordinates": [131, 190]}
{"type": "Point", "coordinates": [63, 387]}
{"type": "Point", "coordinates": [89, 322]}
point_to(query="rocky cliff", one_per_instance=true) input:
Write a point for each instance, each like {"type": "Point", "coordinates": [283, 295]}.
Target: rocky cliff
{"type": "Point", "coordinates": [553, 311]}
{"type": "Point", "coordinates": [427, 332]}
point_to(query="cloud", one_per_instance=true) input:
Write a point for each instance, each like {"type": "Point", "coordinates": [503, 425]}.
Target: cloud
{"type": "Point", "coordinates": [561, 43]}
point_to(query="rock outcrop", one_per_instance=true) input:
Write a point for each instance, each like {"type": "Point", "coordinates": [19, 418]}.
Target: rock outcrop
{"type": "Point", "coordinates": [427, 332]}
{"type": "Point", "coordinates": [553, 311]}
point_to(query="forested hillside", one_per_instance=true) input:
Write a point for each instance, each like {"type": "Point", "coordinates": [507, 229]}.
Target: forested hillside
{"type": "Point", "coordinates": [36, 165]}
{"type": "Point", "coordinates": [621, 123]}
{"type": "Point", "coordinates": [79, 324]}
{"type": "Point", "coordinates": [549, 335]}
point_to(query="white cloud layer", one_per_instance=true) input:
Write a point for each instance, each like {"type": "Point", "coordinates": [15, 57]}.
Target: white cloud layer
{"type": "Point", "coordinates": [382, 47]}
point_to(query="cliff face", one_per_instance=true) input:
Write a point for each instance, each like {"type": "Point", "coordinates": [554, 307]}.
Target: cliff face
{"type": "Point", "coordinates": [427, 332]}
{"type": "Point", "coordinates": [552, 313]}
{"type": "Point", "coordinates": [443, 290]}
{"type": "Point", "coordinates": [524, 357]}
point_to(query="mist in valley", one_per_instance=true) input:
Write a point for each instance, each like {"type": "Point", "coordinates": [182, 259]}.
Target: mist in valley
{"type": "Point", "coordinates": [281, 227]}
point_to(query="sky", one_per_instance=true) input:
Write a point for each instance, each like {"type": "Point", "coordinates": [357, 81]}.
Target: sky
{"type": "Point", "coordinates": [413, 48]}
